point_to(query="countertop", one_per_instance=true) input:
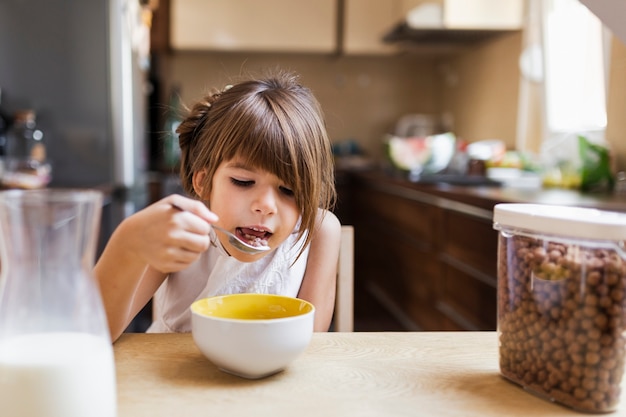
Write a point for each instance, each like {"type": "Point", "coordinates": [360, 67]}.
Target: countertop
{"type": "Point", "coordinates": [486, 196]}
{"type": "Point", "coordinates": [340, 374]}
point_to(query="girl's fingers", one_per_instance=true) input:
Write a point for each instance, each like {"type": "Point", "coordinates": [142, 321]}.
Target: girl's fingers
{"type": "Point", "coordinates": [193, 206]}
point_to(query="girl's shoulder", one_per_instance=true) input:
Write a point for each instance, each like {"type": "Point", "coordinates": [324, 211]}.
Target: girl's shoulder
{"type": "Point", "coordinates": [328, 218]}
{"type": "Point", "coordinates": [329, 225]}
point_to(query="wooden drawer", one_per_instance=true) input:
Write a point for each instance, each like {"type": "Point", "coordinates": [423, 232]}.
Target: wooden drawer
{"type": "Point", "coordinates": [467, 301]}
{"type": "Point", "coordinates": [471, 241]}
{"type": "Point", "coordinates": [409, 218]}
{"type": "Point", "coordinates": [403, 270]}
{"type": "Point", "coordinates": [432, 258]}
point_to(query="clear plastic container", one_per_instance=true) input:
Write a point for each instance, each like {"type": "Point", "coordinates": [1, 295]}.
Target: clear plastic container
{"type": "Point", "coordinates": [561, 303]}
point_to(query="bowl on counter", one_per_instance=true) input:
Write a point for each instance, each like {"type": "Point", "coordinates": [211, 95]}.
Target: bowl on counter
{"type": "Point", "coordinates": [252, 335]}
{"type": "Point", "coordinates": [417, 155]}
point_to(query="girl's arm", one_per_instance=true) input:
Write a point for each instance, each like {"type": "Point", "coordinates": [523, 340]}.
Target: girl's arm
{"type": "Point", "coordinates": [320, 279]}
{"type": "Point", "coordinates": [144, 249]}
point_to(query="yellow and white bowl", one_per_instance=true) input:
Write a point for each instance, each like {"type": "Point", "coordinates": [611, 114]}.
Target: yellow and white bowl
{"type": "Point", "coordinates": [252, 335]}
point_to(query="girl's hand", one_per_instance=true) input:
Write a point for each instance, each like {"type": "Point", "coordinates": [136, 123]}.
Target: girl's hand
{"type": "Point", "coordinates": [166, 238]}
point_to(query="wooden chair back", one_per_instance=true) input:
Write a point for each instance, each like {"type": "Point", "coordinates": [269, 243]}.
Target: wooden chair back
{"type": "Point", "coordinates": [343, 318]}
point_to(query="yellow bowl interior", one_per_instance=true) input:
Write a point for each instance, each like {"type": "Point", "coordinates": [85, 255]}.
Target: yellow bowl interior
{"type": "Point", "coordinates": [251, 306]}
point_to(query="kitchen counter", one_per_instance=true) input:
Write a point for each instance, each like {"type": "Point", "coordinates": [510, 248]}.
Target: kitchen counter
{"type": "Point", "coordinates": [486, 196]}
{"type": "Point", "coordinates": [340, 374]}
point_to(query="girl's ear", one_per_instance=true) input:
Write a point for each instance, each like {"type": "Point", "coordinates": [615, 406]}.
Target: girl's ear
{"type": "Point", "coordinates": [197, 180]}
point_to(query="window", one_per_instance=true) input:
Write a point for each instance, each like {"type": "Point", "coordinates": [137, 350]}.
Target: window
{"type": "Point", "coordinates": [565, 73]}
{"type": "Point", "coordinates": [574, 65]}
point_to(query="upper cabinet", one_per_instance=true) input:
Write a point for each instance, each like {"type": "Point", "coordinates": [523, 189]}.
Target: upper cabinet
{"type": "Point", "coordinates": [483, 14]}
{"type": "Point", "coordinates": [365, 23]}
{"type": "Point", "coordinates": [384, 27]}
{"type": "Point", "coordinates": [351, 27]}
{"type": "Point", "coordinates": [253, 25]}
{"type": "Point", "coordinates": [455, 22]}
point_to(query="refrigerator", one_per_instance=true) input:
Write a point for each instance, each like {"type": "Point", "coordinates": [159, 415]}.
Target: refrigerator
{"type": "Point", "coordinates": [83, 66]}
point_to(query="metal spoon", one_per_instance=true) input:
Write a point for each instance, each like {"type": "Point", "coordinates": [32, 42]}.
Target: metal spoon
{"type": "Point", "coordinates": [240, 244]}
{"type": "Point", "coordinates": [235, 241]}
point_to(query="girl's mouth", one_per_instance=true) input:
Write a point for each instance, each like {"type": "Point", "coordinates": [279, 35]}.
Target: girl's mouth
{"type": "Point", "coordinates": [253, 236]}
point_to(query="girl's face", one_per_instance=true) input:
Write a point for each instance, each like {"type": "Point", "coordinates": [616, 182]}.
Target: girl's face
{"type": "Point", "coordinates": [254, 204]}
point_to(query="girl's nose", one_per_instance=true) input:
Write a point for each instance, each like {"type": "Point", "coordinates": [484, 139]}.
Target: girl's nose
{"type": "Point", "coordinates": [265, 201]}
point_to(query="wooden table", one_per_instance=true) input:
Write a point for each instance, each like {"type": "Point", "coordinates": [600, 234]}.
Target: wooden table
{"type": "Point", "coordinates": [340, 374]}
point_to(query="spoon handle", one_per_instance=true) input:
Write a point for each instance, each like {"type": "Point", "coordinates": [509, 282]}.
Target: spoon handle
{"type": "Point", "coordinates": [234, 240]}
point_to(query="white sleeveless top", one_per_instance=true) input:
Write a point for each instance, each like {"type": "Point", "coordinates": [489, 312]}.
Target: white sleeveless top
{"type": "Point", "coordinates": [215, 272]}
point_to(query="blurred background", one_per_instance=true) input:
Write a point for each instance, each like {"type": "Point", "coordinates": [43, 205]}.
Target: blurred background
{"type": "Point", "coordinates": [477, 84]}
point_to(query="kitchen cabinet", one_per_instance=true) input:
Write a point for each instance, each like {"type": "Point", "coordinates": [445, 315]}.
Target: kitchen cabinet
{"type": "Point", "coordinates": [454, 23]}
{"type": "Point", "coordinates": [464, 14]}
{"type": "Point", "coordinates": [432, 259]}
{"type": "Point", "coordinates": [367, 27]}
{"type": "Point", "coordinates": [364, 25]}
{"type": "Point", "coordinates": [483, 14]}
{"type": "Point", "coordinates": [428, 252]}
{"type": "Point", "coordinates": [251, 25]}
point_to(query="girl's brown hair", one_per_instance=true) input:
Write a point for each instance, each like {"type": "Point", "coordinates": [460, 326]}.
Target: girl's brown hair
{"type": "Point", "coordinates": [274, 124]}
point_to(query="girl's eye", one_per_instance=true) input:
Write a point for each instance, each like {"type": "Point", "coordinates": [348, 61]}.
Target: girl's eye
{"type": "Point", "coordinates": [241, 183]}
{"type": "Point", "coordinates": [286, 191]}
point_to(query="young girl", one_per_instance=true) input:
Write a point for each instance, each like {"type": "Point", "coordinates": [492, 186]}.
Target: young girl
{"type": "Point", "coordinates": [257, 161]}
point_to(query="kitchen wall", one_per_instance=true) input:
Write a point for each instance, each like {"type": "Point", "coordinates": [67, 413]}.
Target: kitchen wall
{"type": "Point", "coordinates": [362, 97]}
{"type": "Point", "coordinates": [481, 89]}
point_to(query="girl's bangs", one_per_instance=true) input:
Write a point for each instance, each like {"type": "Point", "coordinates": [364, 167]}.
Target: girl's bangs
{"type": "Point", "coordinates": [269, 152]}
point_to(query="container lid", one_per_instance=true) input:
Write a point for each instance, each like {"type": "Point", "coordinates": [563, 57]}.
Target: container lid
{"type": "Point", "coordinates": [577, 222]}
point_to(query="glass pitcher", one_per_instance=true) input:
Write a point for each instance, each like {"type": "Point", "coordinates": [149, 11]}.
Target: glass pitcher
{"type": "Point", "coordinates": [56, 356]}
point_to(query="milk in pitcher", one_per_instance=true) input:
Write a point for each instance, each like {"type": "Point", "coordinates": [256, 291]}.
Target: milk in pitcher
{"type": "Point", "coordinates": [43, 375]}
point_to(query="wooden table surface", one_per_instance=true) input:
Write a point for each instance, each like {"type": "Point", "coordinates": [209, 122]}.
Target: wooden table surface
{"type": "Point", "coordinates": [340, 374]}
